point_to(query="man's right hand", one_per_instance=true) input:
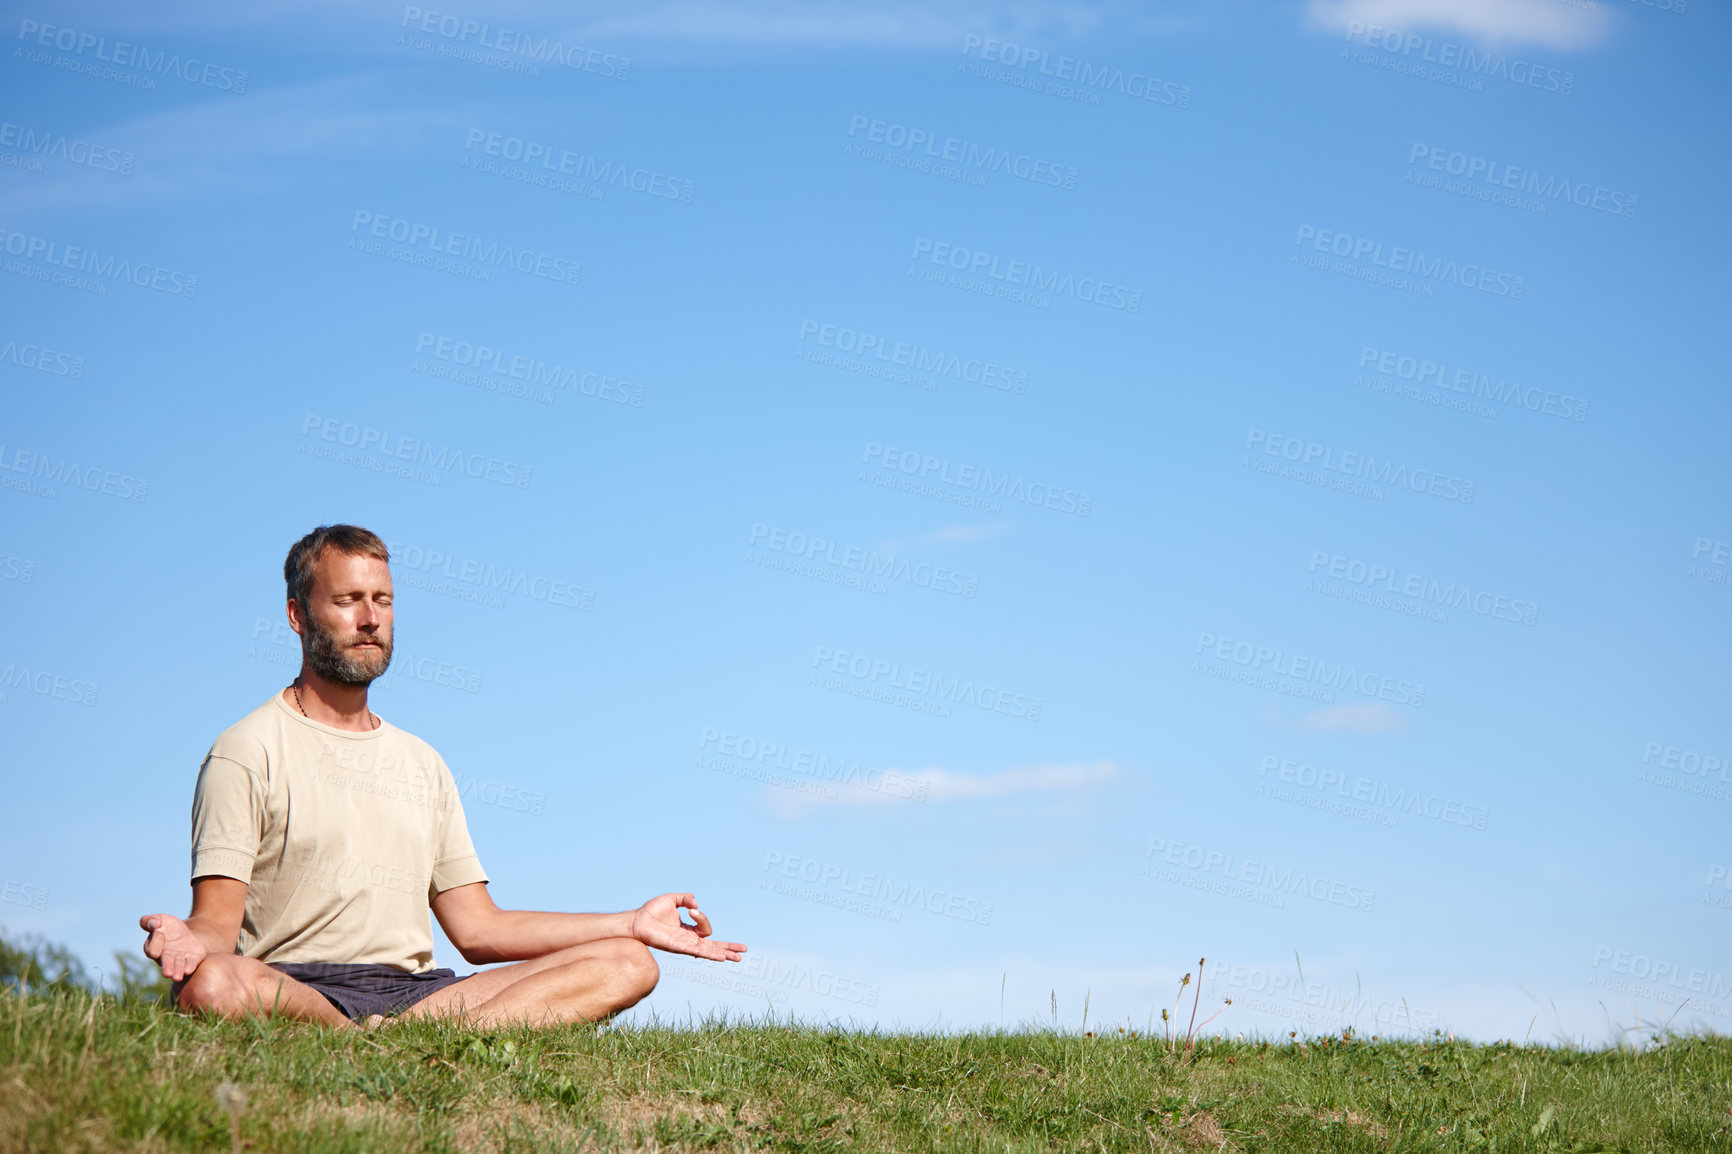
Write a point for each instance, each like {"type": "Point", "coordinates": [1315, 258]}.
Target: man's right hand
{"type": "Point", "coordinates": [172, 945]}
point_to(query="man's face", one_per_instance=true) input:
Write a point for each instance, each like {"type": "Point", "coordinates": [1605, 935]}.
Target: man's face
{"type": "Point", "coordinates": [345, 627]}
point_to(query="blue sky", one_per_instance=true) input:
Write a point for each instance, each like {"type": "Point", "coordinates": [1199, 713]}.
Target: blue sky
{"type": "Point", "coordinates": [1000, 505]}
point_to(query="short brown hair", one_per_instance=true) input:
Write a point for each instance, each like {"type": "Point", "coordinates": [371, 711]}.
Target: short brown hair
{"type": "Point", "coordinates": [305, 553]}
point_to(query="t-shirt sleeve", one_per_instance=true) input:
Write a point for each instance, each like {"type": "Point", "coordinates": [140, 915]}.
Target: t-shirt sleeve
{"type": "Point", "coordinates": [228, 819]}
{"type": "Point", "coordinates": [455, 862]}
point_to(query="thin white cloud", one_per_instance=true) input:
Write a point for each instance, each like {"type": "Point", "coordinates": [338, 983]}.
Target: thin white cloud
{"type": "Point", "coordinates": [371, 26]}
{"type": "Point", "coordinates": [945, 535]}
{"type": "Point", "coordinates": [1551, 24]}
{"type": "Point", "coordinates": [890, 787]}
{"type": "Point", "coordinates": [1366, 717]}
{"type": "Point", "coordinates": [789, 24]}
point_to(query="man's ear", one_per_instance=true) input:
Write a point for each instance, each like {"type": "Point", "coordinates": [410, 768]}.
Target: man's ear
{"type": "Point", "coordinates": [295, 619]}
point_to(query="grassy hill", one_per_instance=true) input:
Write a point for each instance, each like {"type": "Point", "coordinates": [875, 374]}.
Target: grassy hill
{"type": "Point", "coordinates": [84, 1072]}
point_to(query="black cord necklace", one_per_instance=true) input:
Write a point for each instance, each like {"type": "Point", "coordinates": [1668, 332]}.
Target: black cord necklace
{"type": "Point", "coordinates": [296, 686]}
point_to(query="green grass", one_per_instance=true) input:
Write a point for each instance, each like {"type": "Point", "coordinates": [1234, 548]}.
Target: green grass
{"type": "Point", "coordinates": [92, 1073]}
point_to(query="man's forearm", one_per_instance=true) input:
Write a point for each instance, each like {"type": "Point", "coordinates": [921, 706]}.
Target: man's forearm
{"type": "Point", "coordinates": [216, 939]}
{"type": "Point", "coordinates": [517, 935]}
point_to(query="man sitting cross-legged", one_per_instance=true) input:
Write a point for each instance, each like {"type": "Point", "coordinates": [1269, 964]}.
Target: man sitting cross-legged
{"type": "Point", "coordinates": [322, 835]}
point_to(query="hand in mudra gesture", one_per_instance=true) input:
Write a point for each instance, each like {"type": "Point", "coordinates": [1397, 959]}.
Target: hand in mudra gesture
{"type": "Point", "coordinates": [658, 924]}
{"type": "Point", "coordinates": [171, 945]}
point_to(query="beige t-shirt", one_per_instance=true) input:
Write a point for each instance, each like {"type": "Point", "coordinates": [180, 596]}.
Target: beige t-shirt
{"type": "Point", "coordinates": [343, 838]}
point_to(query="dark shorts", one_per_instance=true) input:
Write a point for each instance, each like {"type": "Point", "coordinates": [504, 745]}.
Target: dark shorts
{"type": "Point", "coordinates": [361, 990]}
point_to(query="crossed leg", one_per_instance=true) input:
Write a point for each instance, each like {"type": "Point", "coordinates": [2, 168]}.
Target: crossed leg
{"type": "Point", "coordinates": [577, 984]}
{"type": "Point", "coordinates": [233, 986]}
{"type": "Point", "coordinates": [580, 983]}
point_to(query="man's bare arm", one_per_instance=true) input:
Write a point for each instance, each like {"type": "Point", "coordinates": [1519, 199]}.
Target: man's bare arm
{"type": "Point", "coordinates": [484, 933]}
{"type": "Point", "coordinates": [212, 928]}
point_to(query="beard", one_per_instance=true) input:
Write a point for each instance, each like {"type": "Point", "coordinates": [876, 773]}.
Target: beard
{"type": "Point", "coordinates": [330, 655]}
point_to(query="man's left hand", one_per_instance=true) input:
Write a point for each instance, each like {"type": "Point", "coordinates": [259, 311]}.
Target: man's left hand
{"type": "Point", "coordinates": [658, 923]}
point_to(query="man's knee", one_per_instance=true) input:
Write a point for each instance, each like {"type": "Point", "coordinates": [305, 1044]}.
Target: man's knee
{"type": "Point", "coordinates": [225, 985]}
{"type": "Point", "coordinates": [641, 965]}
{"type": "Point", "coordinates": [213, 988]}
{"type": "Point", "coordinates": [637, 965]}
